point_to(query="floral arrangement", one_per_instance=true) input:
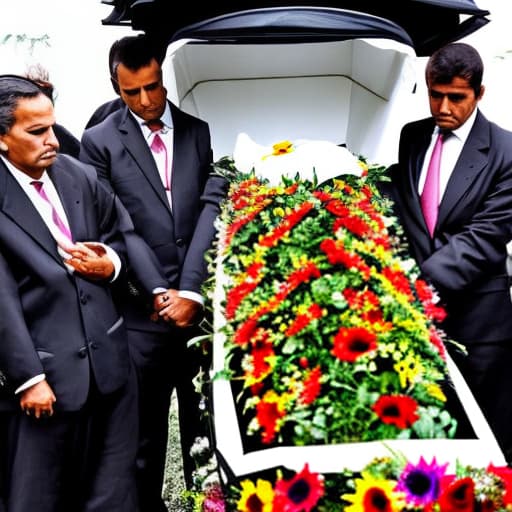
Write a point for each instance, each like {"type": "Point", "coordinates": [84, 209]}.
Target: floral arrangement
{"type": "Point", "coordinates": [329, 336]}
{"type": "Point", "coordinates": [387, 484]}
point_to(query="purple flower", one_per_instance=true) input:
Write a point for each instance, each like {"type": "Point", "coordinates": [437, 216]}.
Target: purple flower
{"type": "Point", "coordinates": [421, 482]}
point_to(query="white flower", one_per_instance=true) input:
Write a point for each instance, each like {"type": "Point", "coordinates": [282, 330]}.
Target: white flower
{"type": "Point", "coordinates": [304, 158]}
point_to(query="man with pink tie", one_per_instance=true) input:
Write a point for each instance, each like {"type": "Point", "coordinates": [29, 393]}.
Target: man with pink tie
{"type": "Point", "coordinates": [454, 201]}
{"type": "Point", "coordinates": [158, 160]}
{"type": "Point", "coordinates": [68, 396]}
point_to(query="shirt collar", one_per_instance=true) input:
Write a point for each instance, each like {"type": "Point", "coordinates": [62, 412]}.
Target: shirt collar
{"type": "Point", "coordinates": [462, 132]}
{"type": "Point", "coordinates": [21, 177]}
{"type": "Point", "coordinates": [166, 118]}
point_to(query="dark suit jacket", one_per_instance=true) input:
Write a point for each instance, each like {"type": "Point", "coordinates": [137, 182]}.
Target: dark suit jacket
{"type": "Point", "coordinates": [465, 260]}
{"type": "Point", "coordinates": [68, 143]}
{"type": "Point", "coordinates": [52, 321]}
{"type": "Point", "coordinates": [104, 110]}
{"type": "Point", "coordinates": [177, 240]}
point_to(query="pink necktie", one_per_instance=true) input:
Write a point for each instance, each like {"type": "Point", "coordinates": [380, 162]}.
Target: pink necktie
{"type": "Point", "coordinates": [38, 185]}
{"type": "Point", "coordinates": [430, 194]}
{"type": "Point", "coordinates": [158, 146]}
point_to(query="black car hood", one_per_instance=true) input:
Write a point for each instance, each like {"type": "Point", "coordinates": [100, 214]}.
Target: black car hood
{"type": "Point", "coordinates": [427, 24]}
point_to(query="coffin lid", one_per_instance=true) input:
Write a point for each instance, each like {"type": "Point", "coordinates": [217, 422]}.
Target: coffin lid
{"type": "Point", "coordinates": [424, 24]}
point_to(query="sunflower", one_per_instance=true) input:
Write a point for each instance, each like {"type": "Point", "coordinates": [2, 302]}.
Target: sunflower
{"type": "Point", "coordinates": [374, 495]}
{"type": "Point", "coordinates": [256, 498]}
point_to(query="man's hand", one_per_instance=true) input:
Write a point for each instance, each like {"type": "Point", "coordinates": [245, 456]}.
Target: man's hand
{"type": "Point", "coordinates": [90, 260]}
{"type": "Point", "coordinates": [181, 311]}
{"type": "Point", "coordinates": [38, 400]}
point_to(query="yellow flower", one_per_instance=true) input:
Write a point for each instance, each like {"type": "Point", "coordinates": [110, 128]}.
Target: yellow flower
{"type": "Point", "coordinates": [256, 498]}
{"type": "Point", "coordinates": [373, 495]}
{"type": "Point", "coordinates": [408, 369]}
{"type": "Point", "coordinates": [435, 391]}
{"type": "Point", "coordinates": [282, 147]}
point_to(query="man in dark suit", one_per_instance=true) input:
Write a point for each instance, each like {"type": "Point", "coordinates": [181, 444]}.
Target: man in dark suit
{"type": "Point", "coordinates": [464, 253]}
{"type": "Point", "coordinates": [157, 159]}
{"type": "Point", "coordinates": [68, 396]}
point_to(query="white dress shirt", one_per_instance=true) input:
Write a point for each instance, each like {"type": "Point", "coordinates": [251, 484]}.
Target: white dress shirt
{"type": "Point", "coordinates": [167, 136]}
{"type": "Point", "coordinates": [452, 147]}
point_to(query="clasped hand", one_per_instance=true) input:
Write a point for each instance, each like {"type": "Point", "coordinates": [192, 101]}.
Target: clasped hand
{"type": "Point", "coordinates": [89, 259]}
{"type": "Point", "coordinates": [181, 311]}
{"type": "Point", "coordinates": [38, 400]}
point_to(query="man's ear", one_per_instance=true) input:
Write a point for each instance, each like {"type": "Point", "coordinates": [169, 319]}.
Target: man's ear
{"type": "Point", "coordinates": [482, 90]}
{"type": "Point", "coordinates": [115, 85]}
{"type": "Point", "coordinates": [3, 146]}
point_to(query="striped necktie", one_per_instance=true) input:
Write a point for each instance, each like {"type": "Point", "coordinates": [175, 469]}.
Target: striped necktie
{"type": "Point", "coordinates": [38, 185]}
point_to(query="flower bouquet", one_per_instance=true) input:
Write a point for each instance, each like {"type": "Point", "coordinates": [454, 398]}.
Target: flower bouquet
{"type": "Point", "coordinates": [326, 351]}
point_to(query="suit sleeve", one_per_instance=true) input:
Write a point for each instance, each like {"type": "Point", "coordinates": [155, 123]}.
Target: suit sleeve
{"type": "Point", "coordinates": [195, 266]}
{"type": "Point", "coordinates": [19, 361]}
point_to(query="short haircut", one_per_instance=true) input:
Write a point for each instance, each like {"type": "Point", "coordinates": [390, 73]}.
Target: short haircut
{"type": "Point", "coordinates": [12, 89]}
{"type": "Point", "coordinates": [134, 52]}
{"type": "Point", "coordinates": [456, 60]}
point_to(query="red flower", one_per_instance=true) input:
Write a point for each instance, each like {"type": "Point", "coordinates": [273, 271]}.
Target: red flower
{"type": "Point", "coordinates": [299, 494]}
{"type": "Point", "coordinates": [268, 413]}
{"type": "Point", "coordinates": [236, 294]}
{"type": "Point", "coordinates": [286, 225]}
{"type": "Point", "coordinates": [303, 320]}
{"type": "Point", "coordinates": [399, 280]}
{"type": "Point", "coordinates": [262, 349]}
{"type": "Point", "coordinates": [458, 496]}
{"type": "Point", "coordinates": [352, 342]}
{"type": "Point", "coordinates": [436, 340]}
{"type": "Point", "coordinates": [398, 410]}
{"type": "Point", "coordinates": [311, 386]}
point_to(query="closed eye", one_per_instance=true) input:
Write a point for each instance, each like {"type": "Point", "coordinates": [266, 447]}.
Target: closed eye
{"type": "Point", "coordinates": [147, 88]}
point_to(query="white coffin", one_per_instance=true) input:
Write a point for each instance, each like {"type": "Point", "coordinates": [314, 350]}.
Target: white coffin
{"type": "Point", "coordinates": [358, 93]}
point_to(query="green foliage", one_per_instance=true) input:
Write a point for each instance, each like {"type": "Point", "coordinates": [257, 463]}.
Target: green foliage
{"type": "Point", "coordinates": [32, 42]}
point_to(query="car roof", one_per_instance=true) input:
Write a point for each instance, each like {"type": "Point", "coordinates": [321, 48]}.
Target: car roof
{"type": "Point", "coordinates": [423, 24]}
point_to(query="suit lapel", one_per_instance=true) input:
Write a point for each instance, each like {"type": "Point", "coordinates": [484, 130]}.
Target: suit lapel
{"type": "Point", "coordinates": [131, 135]}
{"type": "Point", "coordinates": [70, 197]}
{"type": "Point", "coordinates": [418, 145]}
{"type": "Point", "coordinates": [19, 209]}
{"type": "Point", "coordinates": [471, 161]}
{"type": "Point", "coordinates": [180, 159]}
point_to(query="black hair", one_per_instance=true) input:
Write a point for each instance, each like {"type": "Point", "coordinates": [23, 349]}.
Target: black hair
{"type": "Point", "coordinates": [12, 89]}
{"type": "Point", "coordinates": [134, 52]}
{"type": "Point", "coordinates": [456, 60]}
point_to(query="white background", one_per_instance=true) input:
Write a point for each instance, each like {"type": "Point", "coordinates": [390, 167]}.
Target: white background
{"type": "Point", "coordinates": [77, 58]}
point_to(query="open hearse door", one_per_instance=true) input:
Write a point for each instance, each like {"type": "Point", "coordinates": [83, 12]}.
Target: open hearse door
{"type": "Point", "coordinates": [343, 72]}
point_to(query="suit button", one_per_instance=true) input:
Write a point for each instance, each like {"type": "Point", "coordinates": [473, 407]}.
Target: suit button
{"type": "Point", "coordinates": [82, 352]}
{"type": "Point", "coordinates": [93, 345]}
{"type": "Point", "coordinates": [83, 298]}
{"type": "Point", "coordinates": [180, 242]}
